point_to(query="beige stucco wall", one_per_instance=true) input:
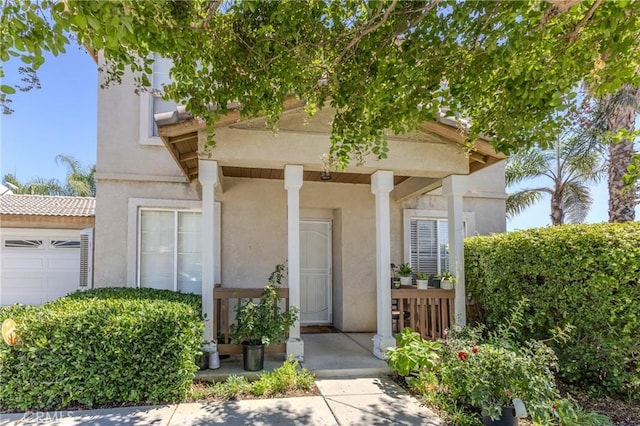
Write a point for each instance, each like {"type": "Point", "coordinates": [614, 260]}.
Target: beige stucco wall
{"type": "Point", "coordinates": [254, 239]}
{"type": "Point", "coordinates": [253, 212]}
{"type": "Point", "coordinates": [111, 253]}
{"type": "Point", "coordinates": [126, 169]}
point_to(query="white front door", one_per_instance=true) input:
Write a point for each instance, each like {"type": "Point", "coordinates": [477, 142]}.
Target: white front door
{"type": "Point", "coordinates": [315, 272]}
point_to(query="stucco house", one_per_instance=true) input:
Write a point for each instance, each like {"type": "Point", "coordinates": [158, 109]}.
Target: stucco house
{"type": "Point", "coordinates": [44, 246]}
{"type": "Point", "coordinates": [174, 214]}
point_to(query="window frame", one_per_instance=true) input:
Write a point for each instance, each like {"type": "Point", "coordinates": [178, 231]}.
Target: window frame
{"type": "Point", "coordinates": [146, 136]}
{"type": "Point", "coordinates": [469, 218]}
{"type": "Point", "coordinates": [176, 245]}
{"type": "Point", "coordinates": [133, 232]}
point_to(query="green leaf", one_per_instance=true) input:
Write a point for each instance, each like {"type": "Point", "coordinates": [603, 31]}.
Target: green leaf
{"type": "Point", "coordinates": [9, 90]}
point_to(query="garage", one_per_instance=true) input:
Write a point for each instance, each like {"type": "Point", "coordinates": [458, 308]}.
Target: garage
{"type": "Point", "coordinates": [37, 268]}
{"type": "Point", "coordinates": [40, 251]}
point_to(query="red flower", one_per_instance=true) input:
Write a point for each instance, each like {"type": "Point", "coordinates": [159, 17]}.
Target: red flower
{"type": "Point", "coordinates": [554, 407]}
{"type": "Point", "coordinates": [474, 350]}
{"type": "Point", "coordinates": [463, 356]}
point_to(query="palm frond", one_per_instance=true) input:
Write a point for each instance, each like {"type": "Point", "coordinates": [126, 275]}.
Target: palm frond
{"type": "Point", "coordinates": [577, 201]}
{"type": "Point", "coordinates": [519, 201]}
{"type": "Point", "coordinates": [524, 165]}
{"type": "Point", "coordinates": [42, 186]}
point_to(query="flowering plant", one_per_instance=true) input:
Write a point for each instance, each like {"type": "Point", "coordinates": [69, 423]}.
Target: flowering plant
{"type": "Point", "coordinates": [479, 371]}
{"type": "Point", "coordinates": [489, 373]}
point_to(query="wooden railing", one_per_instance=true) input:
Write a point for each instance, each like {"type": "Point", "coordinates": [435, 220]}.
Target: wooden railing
{"type": "Point", "coordinates": [428, 312]}
{"type": "Point", "coordinates": [225, 300]}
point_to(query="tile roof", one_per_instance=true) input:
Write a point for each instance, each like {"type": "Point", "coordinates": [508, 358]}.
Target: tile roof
{"type": "Point", "coordinates": [47, 205]}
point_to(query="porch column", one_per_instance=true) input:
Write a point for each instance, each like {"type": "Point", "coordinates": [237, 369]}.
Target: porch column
{"type": "Point", "coordinates": [381, 185]}
{"type": "Point", "coordinates": [293, 183]}
{"type": "Point", "coordinates": [208, 176]}
{"type": "Point", "coordinates": [453, 188]}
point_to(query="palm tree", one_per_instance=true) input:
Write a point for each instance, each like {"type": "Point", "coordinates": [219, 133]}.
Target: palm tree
{"type": "Point", "coordinates": [37, 186]}
{"type": "Point", "coordinates": [617, 112]}
{"type": "Point", "coordinates": [569, 165]}
{"type": "Point", "coordinates": [80, 180]}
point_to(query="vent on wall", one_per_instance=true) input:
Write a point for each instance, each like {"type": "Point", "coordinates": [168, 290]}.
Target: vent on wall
{"type": "Point", "coordinates": [86, 258]}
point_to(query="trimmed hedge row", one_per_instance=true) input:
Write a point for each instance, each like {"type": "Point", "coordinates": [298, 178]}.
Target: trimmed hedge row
{"type": "Point", "coordinates": [103, 346]}
{"type": "Point", "coordinates": [584, 275]}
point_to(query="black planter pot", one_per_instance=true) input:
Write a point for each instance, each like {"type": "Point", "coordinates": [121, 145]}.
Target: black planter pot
{"type": "Point", "coordinates": [508, 418]}
{"type": "Point", "coordinates": [203, 361]}
{"type": "Point", "coordinates": [253, 356]}
{"type": "Point", "coordinates": [434, 282]}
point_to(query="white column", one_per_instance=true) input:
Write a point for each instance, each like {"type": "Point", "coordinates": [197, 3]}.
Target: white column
{"type": "Point", "coordinates": [208, 176]}
{"type": "Point", "coordinates": [293, 183]}
{"type": "Point", "coordinates": [453, 188]}
{"type": "Point", "coordinates": [381, 185]}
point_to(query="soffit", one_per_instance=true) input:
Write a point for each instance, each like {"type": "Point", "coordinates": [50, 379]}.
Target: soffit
{"type": "Point", "coordinates": [179, 132]}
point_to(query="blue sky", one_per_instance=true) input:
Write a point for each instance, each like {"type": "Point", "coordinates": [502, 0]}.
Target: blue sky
{"type": "Point", "coordinates": [61, 118]}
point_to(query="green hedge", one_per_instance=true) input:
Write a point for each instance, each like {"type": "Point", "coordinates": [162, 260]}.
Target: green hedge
{"type": "Point", "coordinates": [103, 346]}
{"type": "Point", "coordinates": [584, 275]}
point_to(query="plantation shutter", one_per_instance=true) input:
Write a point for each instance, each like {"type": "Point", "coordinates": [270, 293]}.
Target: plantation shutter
{"type": "Point", "coordinates": [157, 249]}
{"type": "Point", "coordinates": [424, 246]}
{"type": "Point", "coordinates": [189, 259]}
{"type": "Point", "coordinates": [86, 258]}
{"type": "Point", "coordinates": [443, 243]}
{"type": "Point", "coordinates": [170, 250]}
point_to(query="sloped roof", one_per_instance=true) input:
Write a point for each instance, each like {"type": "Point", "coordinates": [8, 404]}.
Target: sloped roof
{"type": "Point", "coordinates": [178, 129]}
{"type": "Point", "coordinates": [47, 205]}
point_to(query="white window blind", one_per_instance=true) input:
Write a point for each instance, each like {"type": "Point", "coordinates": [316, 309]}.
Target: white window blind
{"type": "Point", "coordinates": [429, 241]}
{"type": "Point", "coordinates": [169, 250]}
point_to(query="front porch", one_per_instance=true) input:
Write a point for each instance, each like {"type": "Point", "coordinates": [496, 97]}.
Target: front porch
{"type": "Point", "coordinates": [428, 312]}
{"type": "Point", "coordinates": [266, 187]}
{"type": "Point", "coordinates": [326, 355]}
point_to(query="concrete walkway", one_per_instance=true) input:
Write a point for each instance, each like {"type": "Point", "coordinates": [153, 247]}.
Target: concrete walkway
{"type": "Point", "coordinates": [344, 401]}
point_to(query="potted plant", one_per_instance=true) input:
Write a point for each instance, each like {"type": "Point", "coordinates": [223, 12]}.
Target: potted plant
{"type": "Point", "coordinates": [434, 281]}
{"type": "Point", "coordinates": [404, 270]}
{"type": "Point", "coordinates": [422, 281]}
{"type": "Point", "coordinates": [448, 280]}
{"type": "Point", "coordinates": [262, 323]}
{"type": "Point", "coordinates": [395, 279]}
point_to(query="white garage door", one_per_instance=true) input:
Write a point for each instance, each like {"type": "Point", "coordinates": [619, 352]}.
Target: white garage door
{"type": "Point", "coordinates": [38, 265]}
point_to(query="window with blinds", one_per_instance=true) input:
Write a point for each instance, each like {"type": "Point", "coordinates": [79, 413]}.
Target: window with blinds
{"type": "Point", "coordinates": [429, 239]}
{"type": "Point", "coordinates": [169, 250]}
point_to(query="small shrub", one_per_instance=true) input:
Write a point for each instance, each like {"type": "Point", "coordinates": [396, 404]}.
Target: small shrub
{"type": "Point", "coordinates": [285, 379]}
{"type": "Point", "coordinates": [236, 384]}
{"type": "Point", "coordinates": [584, 275]}
{"type": "Point", "coordinates": [413, 354]}
{"type": "Point", "coordinates": [104, 346]}
{"type": "Point", "coordinates": [475, 375]}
